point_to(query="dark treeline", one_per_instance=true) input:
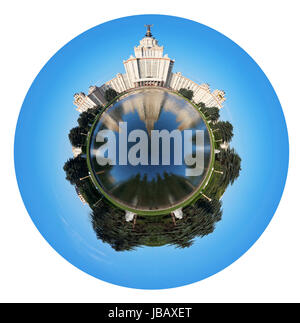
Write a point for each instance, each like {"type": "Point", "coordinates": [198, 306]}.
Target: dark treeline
{"type": "Point", "coordinates": [199, 220]}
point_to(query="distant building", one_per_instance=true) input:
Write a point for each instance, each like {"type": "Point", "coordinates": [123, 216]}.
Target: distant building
{"type": "Point", "coordinates": [129, 216]}
{"type": "Point", "coordinates": [149, 67]}
{"type": "Point", "coordinates": [83, 102]}
{"type": "Point", "coordinates": [76, 151]}
{"type": "Point", "coordinates": [80, 195]}
{"type": "Point", "coordinates": [202, 92]}
{"type": "Point", "coordinates": [178, 213]}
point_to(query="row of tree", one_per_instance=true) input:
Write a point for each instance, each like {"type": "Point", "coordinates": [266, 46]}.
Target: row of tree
{"type": "Point", "coordinates": [224, 129]}
{"type": "Point", "coordinates": [76, 168]}
{"type": "Point", "coordinates": [110, 226]}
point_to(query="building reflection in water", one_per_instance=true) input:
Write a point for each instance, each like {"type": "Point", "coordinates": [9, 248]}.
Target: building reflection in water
{"type": "Point", "coordinates": [150, 187]}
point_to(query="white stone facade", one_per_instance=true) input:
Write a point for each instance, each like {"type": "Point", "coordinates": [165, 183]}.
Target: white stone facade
{"type": "Point", "coordinates": [129, 216]}
{"type": "Point", "coordinates": [76, 151]}
{"type": "Point", "coordinates": [83, 102]}
{"type": "Point", "coordinates": [202, 92]}
{"type": "Point", "coordinates": [178, 214]}
{"type": "Point", "coordinates": [80, 195]}
{"type": "Point", "coordinates": [149, 67]}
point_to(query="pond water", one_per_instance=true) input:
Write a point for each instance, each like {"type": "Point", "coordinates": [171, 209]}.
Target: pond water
{"type": "Point", "coordinates": [154, 183]}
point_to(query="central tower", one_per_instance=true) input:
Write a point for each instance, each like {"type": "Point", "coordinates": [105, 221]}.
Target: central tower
{"type": "Point", "coordinates": [148, 33]}
{"type": "Point", "coordinates": [149, 66]}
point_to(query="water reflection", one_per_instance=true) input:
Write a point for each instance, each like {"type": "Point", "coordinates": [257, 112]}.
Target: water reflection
{"type": "Point", "coordinates": [150, 187]}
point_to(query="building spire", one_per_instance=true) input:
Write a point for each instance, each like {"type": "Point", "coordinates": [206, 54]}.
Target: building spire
{"type": "Point", "coordinates": [148, 33]}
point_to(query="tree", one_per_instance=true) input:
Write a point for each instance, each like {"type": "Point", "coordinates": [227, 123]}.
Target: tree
{"type": "Point", "coordinates": [110, 94]}
{"type": "Point", "coordinates": [95, 110]}
{"type": "Point", "coordinates": [225, 130]}
{"type": "Point", "coordinates": [202, 106]}
{"type": "Point", "coordinates": [110, 226]}
{"type": "Point", "coordinates": [211, 113]}
{"type": "Point", "coordinates": [231, 165]}
{"type": "Point", "coordinates": [186, 93]}
{"type": "Point", "coordinates": [86, 118]}
{"type": "Point", "coordinates": [75, 169]}
{"type": "Point", "coordinates": [77, 136]}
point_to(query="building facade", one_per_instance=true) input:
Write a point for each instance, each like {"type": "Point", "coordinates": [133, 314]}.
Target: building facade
{"type": "Point", "coordinates": [80, 195]}
{"type": "Point", "coordinates": [149, 67]}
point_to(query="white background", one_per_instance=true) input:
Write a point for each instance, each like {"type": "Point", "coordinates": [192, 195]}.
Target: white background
{"type": "Point", "coordinates": [31, 32]}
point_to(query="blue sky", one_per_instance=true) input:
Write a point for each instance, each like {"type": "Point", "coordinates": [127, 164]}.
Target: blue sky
{"type": "Point", "coordinates": [200, 53]}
